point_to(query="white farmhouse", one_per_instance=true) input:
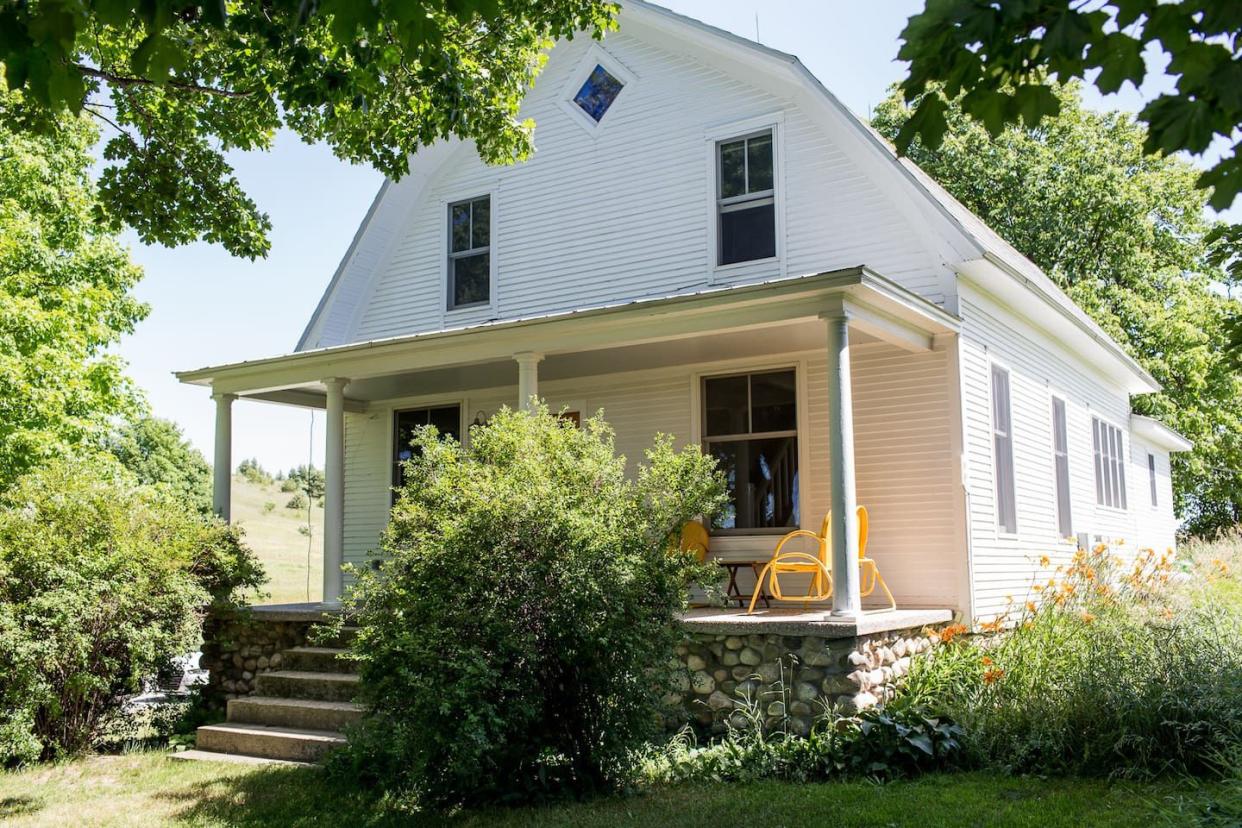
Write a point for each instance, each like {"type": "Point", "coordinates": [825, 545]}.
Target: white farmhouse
{"type": "Point", "coordinates": [707, 243]}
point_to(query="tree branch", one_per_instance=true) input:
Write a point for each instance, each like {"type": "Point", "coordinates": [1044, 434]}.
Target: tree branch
{"type": "Point", "coordinates": [123, 81]}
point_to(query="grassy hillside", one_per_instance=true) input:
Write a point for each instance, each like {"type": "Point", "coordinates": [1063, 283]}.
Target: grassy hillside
{"type": "Point", "coordinates": [273, 534]}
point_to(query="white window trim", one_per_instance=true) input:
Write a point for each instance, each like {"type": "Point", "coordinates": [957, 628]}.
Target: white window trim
{"type": "Point", "coordinates": [1069, 462]}
{"type": "Point", "coordinates": [490, 307]}
{"type": "Point", "coordinates": [595, 55]}
{"type": "Point", "coordinates": [1001, 533]}
{"type": "Point", "coordinates": [748, 365]}
{"type": "Point", "coordinates": [714, 135]}
{"type": "Point", "coordinates": [1153, 480]}
{"type": "Point", "coordinates": [1122, 459]}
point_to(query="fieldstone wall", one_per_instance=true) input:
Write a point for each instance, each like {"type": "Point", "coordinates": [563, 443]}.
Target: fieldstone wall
{"type": "Point", "coordinates": [765, 673]}
{"type": "Point", "coordinates": [238, 646]}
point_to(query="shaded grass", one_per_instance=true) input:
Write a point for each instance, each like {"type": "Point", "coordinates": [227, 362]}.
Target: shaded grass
{"type": "Point", "coordinates": [149, 789]}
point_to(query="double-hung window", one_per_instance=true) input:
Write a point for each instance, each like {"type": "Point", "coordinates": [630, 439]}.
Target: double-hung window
{"type": "Point", "coordinates": [1060, 458]}
{"type": "Point", "coordinates": [750, 425]}
{"type": "Point", "coordinates": [1110, 466]}
{"type": "Point", "coordinates": [1002, 440]}
{"type": "Point", "coordinates": [745, 199]}
{"type": "Point", "coordinates": [470, 253]}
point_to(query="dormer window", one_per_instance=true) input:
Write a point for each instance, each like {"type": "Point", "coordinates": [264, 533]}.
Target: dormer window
{"type": "Point", "coordinates": [470, 253]}
{"type": "Point", "coordinates": [598, 92]}
{"type": "Point", "coordinates": [745, 199]}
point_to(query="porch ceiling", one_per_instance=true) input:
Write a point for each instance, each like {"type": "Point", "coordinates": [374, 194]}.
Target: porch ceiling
{"type": "Point", "coordinates": [778, 316]}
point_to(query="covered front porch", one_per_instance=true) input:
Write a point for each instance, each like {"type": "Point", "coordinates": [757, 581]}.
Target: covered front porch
{"type": "Point", "coordinates": [874, 368]}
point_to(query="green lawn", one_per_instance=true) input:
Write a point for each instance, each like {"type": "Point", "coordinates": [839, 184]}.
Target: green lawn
{"type": "Point", "coordinates": [273, 535]}
{"type": "Point", "coordinates": [150, 789]}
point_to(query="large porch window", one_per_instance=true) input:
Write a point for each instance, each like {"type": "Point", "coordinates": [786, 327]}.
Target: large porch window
{"type": "Point", "coordinates": [750, 425]}
{"type": "Point", "coordinates": [446, 419]}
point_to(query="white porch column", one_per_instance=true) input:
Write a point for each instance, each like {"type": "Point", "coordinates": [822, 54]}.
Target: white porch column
{"type": "Point", "coordinates": [528, 378]}
{"type": "Point", "coordinates": [334, 492]}
{"type": "Point", "coordinates": [845, 576]}
{"type": "Point", "coordinates": [222, 469]}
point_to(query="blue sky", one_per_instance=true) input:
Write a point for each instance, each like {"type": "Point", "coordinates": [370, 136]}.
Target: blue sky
{"type": "Point", "coordinates": [209, 308]}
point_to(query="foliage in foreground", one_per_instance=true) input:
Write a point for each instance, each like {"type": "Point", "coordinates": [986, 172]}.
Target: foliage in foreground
{"type": "Point", "coordinates": [65, 298]}
{"type": "Point", "coordinates": [517, 640]}
{"type": "Point", "coordinates": [102, 581]}
{"type": "Point", "coordinates": [181, 83]}
{"type": "Point", "coordinates": [1118, 671]}
{"type": "Point", "coordinates": [1004, 57]}
{"type": "Point", "coordinates": [1126, 236]}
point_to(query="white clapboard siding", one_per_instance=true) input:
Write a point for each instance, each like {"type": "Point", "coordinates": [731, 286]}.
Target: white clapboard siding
{"type": "Point", "coordinates": [1005, 566]}
{"type": "Point", "coordinates": [1155, 526]}
{"type": "Point", "coordinates": [624, 213]}
{"type": "Point", "coordinates": [901, 434]}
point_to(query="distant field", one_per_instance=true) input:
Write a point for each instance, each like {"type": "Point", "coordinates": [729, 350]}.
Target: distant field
{"type": "Point", "coordinates": [273, 535]}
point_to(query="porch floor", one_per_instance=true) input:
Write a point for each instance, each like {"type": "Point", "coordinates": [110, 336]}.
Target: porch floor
{"type": "Point", "coordinates": [780, 620]}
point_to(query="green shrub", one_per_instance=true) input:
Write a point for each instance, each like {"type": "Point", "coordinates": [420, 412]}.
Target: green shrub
{"type": "Point", "coordinates": [1115, 673]}
{"type": "Point", "coordinates": [102, 581]}
{"type": "Point", "coordinates": [288, 485]}
{"type": "Point", "coordinates": [298, 501]}
{"type": "Point", "coordinates": [518, 638]}
{"type": "Point", "coordinates": [310, 480]}
{"type": "Point", "coordinates": [252, 471]}
{"type": "Point", "coordinates": [875, 744]}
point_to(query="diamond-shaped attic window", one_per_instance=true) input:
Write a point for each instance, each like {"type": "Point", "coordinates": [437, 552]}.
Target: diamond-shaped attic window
{"type": "Point", "coordinates": [598, 93]}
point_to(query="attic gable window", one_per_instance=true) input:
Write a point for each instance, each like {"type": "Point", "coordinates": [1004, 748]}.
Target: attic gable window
{"type": "Point", "coordinates": [470, 252]}
{"type": "Point", "coordinates": [598, 92]}
{"type": "Point", "coordinates": [746, 199]}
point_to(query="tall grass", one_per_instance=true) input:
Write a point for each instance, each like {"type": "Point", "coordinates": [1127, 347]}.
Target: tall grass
{"type": "Point", "coordinates": [1116, 666]}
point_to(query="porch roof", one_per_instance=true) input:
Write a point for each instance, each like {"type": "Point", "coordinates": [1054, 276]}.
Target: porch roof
{"type": "Point", "coordinates": [877, 306]}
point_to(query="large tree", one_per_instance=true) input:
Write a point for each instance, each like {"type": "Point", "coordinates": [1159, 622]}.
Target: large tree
{"type": "Point", "coordinates": [64, 297]}
{"type": "Point", "coordinates": [157, 453]}
{"type": "Point", "coordinates": [1124, 233]}
{"type": "Point", "coordinates": [182, 81]}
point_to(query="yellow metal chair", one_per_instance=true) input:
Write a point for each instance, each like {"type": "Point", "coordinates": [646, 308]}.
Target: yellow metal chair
{"type": "Point", "coordinates": [694, 538]}
{"type": "Point", "coordinates": [869, 576]}
{"type": "Point", "coordinates": [789, 563]}
{"type": "Point", "coordinates": [819, 565]}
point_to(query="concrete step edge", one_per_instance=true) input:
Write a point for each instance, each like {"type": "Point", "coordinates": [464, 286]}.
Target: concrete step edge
{"type": "Point", "coordinates": [334, 737]}
{"type": "Point", "coordinates": [310, 704]}
{"type": "Point", "coordinates": [196, 755]}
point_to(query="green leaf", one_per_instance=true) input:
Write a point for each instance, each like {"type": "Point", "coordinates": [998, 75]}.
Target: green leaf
{"type": "Point", "coordinates": [1120, 59]}
{"type": "Point", "coordinates": [987, 105]}
{"type": "Point", "coordinates": [927, 123]}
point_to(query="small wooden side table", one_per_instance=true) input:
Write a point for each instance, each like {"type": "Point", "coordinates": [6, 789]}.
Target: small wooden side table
{"type": "Point", "coordinates": [733, 592]}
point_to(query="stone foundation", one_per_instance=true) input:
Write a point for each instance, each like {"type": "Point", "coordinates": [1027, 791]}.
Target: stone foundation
{"type": "Point", "coordinates": [238, 646]}
{"type": "Point", "coordinates": [787, 678]}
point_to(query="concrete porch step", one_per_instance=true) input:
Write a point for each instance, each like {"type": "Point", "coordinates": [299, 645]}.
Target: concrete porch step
{"type": "Point", "coordinates": [305, 714]}
{"type": "Point", "coordinates": [307, 684]}
{"type": "Point", "coordinates": [195, 755]}
{"type": "Point", "coordinates": [317, 660]}
{"type": "Point", "coordinates": [343, 638]}
{"type": "Point", "coordinates": [253, 740]}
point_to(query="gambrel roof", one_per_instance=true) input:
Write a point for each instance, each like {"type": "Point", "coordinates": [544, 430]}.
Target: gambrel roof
{"type": "Point", "coordinates": [972, 249]}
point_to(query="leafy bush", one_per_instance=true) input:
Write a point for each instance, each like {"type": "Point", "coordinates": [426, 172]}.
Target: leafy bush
{"type": "Point", "coordinates": [288, 484]}
{"type": "Point", "coordinates": [298, 501]}
{"type": "Point", "coordinates": [252, 471]}
{"type": "Point", "coordinates": [518, 638]}
{"type": "Point", "coordinates": [102, 581]}
{"type": "Point", "coordinates": [875, 744]}
{"type": "Point", "coordinates": [308, 479]}
{"type": "Point", "coordinates": [1115, 672]}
